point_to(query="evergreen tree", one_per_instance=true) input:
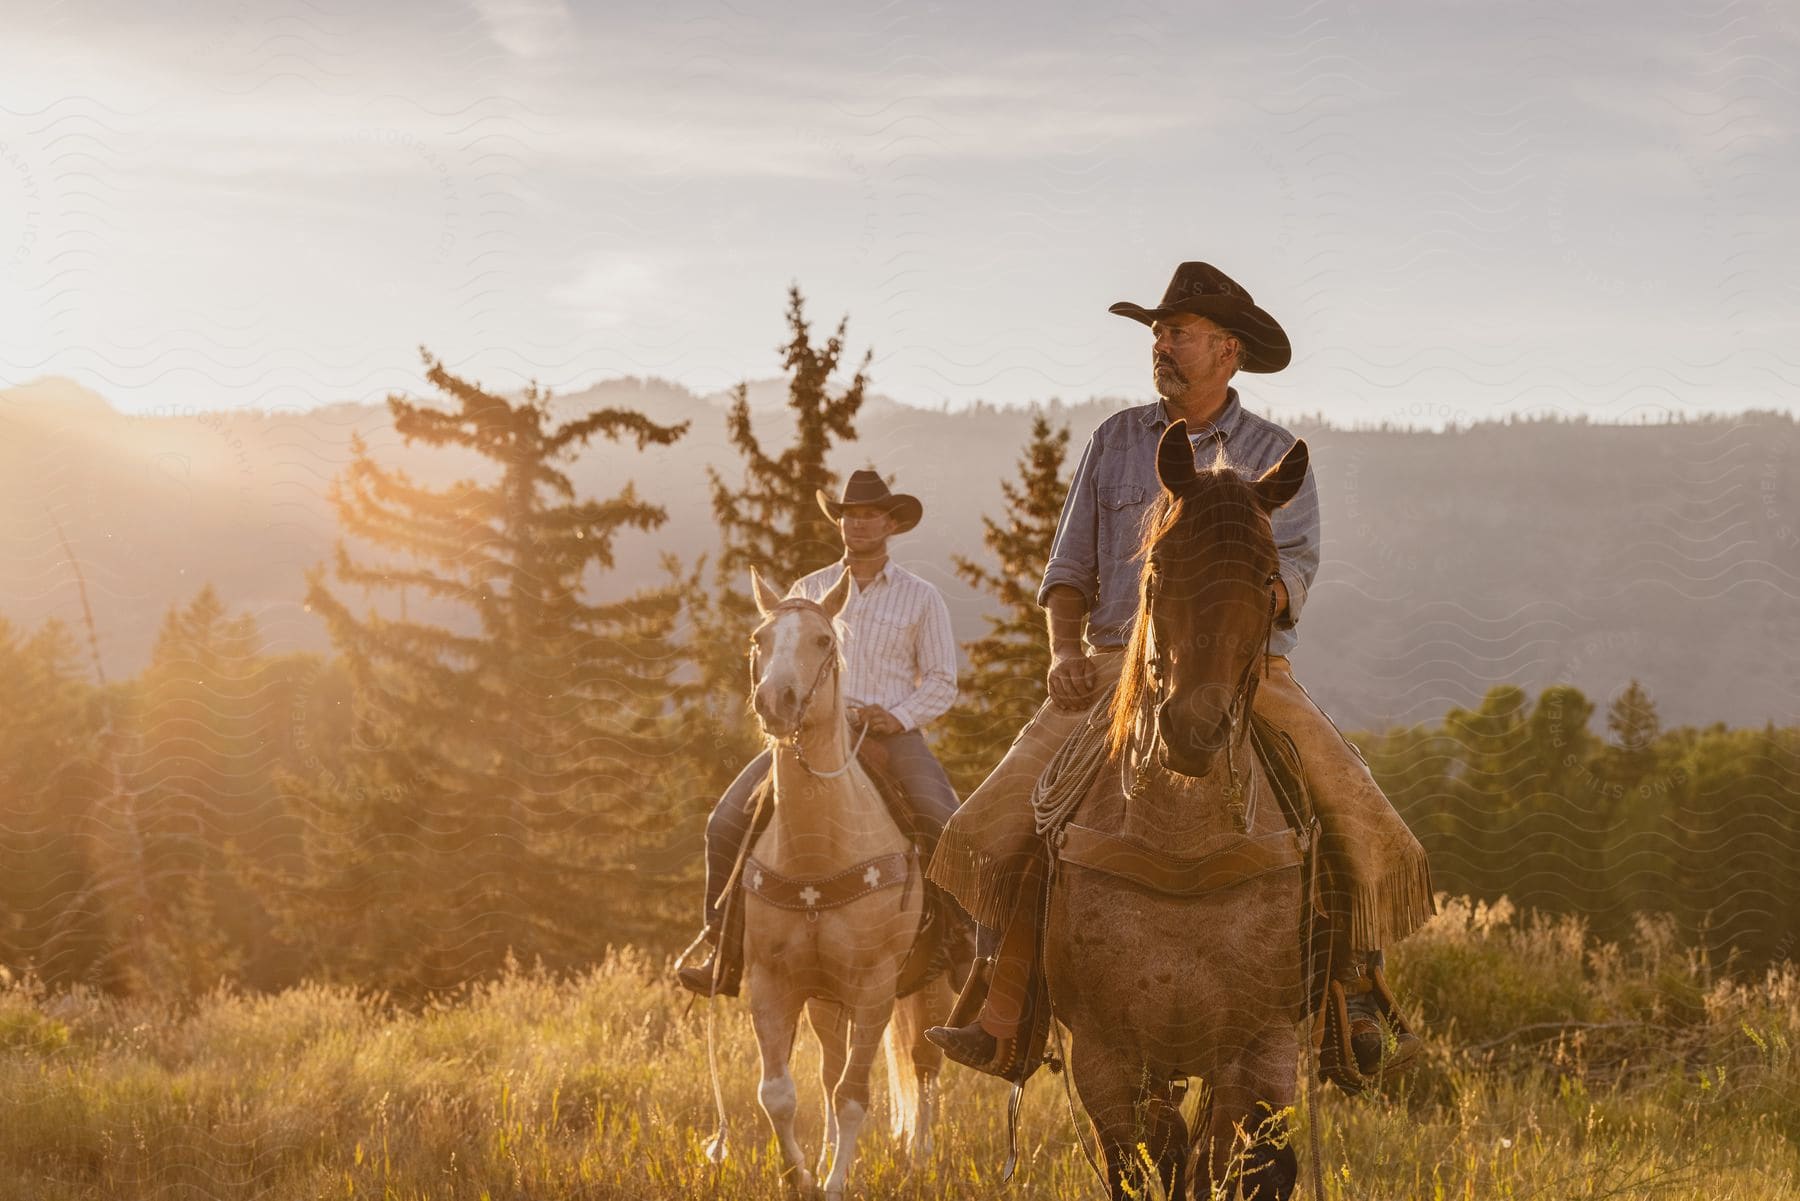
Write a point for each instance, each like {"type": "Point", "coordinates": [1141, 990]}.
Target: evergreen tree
{"type": "Point", "coordinates": [1004, 683]}
{"type": "Point", "coordinates": [771, 520]}
{"type": "Point", "coordinates": [200, 768]}
{"type": "Point", "coordinates": [1492, 744]}
{"type": "Point", "coordinates": [496, 762]}
{"type": "Point", "coordinates": [1563, 810]}
{"type": "Point", "coordinates": [55, 916]}
{"type": "Point", "coordinates": [1634, 725]}
{"type": "Point", "coordinates": [1699, 824]}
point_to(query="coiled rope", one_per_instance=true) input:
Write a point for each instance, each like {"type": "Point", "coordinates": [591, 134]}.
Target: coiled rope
{"type": "Point", "coordinates": [1072, 770]}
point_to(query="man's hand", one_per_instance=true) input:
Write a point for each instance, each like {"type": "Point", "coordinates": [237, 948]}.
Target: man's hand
{"type": "Point", "coordinates": [1073, 679]}
{"type": "Point", "coordinates": [1072, 676]}
{"type": "Point", "coordinates": [877, 719]}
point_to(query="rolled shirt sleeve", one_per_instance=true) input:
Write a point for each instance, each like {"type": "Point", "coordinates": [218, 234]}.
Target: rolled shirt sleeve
{"type": "Point", "coordinates": [934, 657]}
{"type": "Point", "coordinates": [1296, 529]}
{"type": "Point", "coordinates": [1075, 551]}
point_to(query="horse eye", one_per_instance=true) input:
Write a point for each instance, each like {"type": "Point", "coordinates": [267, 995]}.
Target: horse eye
{"type": "Point", "coordinates": [823, 641]}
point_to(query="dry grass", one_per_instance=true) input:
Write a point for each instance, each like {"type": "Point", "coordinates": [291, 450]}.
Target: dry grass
{"type": "Point", "coordinates": [1557, 1068]}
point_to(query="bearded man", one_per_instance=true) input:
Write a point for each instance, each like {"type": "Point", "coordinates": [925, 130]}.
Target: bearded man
{"type": "Point", "coordinates": [1206, 329]}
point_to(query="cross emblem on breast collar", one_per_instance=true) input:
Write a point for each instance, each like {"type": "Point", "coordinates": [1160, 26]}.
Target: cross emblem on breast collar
{"type": "Point", "coordinates": [872, 877]}
{"type": "Point", "coordinates": [810, 895]}
{"type": "Point", "coordinates": [756, 879]}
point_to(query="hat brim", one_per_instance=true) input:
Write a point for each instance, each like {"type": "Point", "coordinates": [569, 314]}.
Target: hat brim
{"type": "Point", "coordinates": [905, 509]}
{"type": "Point", "coordinates": [1266, 347]}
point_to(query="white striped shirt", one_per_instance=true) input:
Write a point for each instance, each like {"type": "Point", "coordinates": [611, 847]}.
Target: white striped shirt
{"type": "Point", "coordinates": [898, 649]}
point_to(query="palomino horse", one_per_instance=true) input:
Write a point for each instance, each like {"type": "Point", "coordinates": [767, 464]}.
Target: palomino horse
{"type": "Point", "coordinates": [1172, 945]}
{"type": "Point", "coordinates": [834, 897]}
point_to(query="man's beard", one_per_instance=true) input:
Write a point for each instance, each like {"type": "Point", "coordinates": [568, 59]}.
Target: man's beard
{"type": "Point", "coordinates": [1170, 383]}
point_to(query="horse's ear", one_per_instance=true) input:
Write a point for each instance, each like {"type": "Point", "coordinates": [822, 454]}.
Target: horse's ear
{"type": "Point", "coordinates": [766, 597]}
{"type": "Point", "coordinates": [834, 601]}
{"type": "Point", "coordinates": [1175, 458]}
{"type": "Point", "coordinates": [1280, 482]}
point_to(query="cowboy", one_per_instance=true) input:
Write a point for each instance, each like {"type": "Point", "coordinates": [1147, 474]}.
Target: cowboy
{"type": "Point", "coordinates": [1206, 329]}
{"type": "Point", "coordinates": [899, 675]}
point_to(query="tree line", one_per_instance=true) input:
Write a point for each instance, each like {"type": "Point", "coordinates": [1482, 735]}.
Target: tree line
{"type": "Point", "coordinates": [527, 781]}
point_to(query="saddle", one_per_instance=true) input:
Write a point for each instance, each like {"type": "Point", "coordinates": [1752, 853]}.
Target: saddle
{"type": "Point", "coordinates": [1235, 859]}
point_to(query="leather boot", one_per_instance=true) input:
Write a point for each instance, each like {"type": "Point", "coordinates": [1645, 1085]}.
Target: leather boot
{"type": "Point", "coordinates": [964, 1039]}
{"type": "Point", "coordinates": [1379, 1037]}
{"type": "Point", "coordinates": [961, 1037]}
{"type": "Point", "coordinates": [720, 974]}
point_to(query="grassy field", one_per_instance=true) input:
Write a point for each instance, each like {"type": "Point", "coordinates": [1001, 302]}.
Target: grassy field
{"type": "Point", "coordinates": [1557, 1068]}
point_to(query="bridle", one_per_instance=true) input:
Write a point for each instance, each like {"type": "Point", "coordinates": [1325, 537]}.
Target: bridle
{"type": "Point", "coordinates": [830, 662]}
{"type": "Point", "coordinates": [1237, 712]}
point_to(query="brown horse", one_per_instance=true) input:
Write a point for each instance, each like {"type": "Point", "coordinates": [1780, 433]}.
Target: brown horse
{"type": "Point", "coordinates": [835, 897]}
{"type": "Point", "coordinates": [1172, 946]}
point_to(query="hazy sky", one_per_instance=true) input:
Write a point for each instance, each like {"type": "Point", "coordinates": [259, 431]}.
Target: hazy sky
{"type": "Point", "coordinates": [1457, 210]}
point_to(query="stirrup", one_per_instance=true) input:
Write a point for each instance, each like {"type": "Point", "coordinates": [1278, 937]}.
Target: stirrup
{"type": "Point", "coordinates": [1400, 1044]}
{"type": "Point", "coordinates": [708, 937]}
{"type": "Point", "coordinates": [1334, 1035]}
{"type": "Point", "coordinates": [963, 1038]}
{"type": "Point", "coordinates": [716, 975]}
{"type": "Point", "coordinates": [973, 1047]}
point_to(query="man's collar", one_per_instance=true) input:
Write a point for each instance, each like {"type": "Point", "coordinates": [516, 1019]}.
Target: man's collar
{"type": "Point", "coordinates": [844, 563]}
{"type": "Point", "coordinates": [1156, 416]}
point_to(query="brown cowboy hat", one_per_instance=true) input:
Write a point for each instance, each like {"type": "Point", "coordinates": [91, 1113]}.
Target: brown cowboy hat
{"type": "Point", "coordinates": [1205, 291]}
{"type": "Point", "coordinates": [868, 488]}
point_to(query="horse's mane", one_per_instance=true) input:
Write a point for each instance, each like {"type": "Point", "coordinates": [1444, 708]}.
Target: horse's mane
{"type": "Point", "coordinates": [1173, 519]}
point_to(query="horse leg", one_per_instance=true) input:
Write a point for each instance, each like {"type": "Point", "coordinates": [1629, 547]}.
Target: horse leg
{"type": "Point", "coordinates": [913, 1063]}
{"type": "Point", "coordinates": [1271, 1168]}
{"type": "Point", "coordinates": [1245, 1134]}
{"type": "Point", "coordinates": [867, 1025]}
{"type": "Point", "coordinates": [832, 1027]}
{"type": "Point", "coordinates": [775, 1013]}
{"type": "Point", "coordinates": [1247, 1148]}
{"type": "Point", "coordinates": [1129, 1111]}
{"type": "Point", "coordinates": [931, 1008]}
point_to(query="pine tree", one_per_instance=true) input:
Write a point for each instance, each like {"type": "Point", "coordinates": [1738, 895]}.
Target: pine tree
{"type": "Point", "coordinates": [771, 521]}
{"type": "Point", "coordinates": [1491, 744]}
{"type": "Point", "coordinates": [1633, 722]}
{"type": "Point", "coordinates": [1004, 683]}
{"type": "Point", "coordinates": [200, 766]}
{"type": "Point", "coordinates": [55, 916]}
{"type": "Point", "coordinates": [496, 763]}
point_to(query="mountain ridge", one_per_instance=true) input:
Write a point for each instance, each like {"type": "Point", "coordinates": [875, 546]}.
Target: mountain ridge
{"type": "Point", "coordinates": [1525, 551]}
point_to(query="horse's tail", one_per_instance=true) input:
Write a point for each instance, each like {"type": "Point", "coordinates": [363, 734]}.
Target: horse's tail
{"type": "Point", "coordinates": [905, 1031]}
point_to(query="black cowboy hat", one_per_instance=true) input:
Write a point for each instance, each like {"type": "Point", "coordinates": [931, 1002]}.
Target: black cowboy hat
{"type": "Point", "coordinates": [1205, 291]}
{"type": "Point", "coordinates": [868, 488]}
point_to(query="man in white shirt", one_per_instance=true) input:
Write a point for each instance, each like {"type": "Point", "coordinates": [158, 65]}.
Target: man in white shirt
{"type": "Point", "coordinates": [899, 674]}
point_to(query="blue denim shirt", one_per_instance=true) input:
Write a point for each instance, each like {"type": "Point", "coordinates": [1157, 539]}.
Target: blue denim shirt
{"type": "Point", "coordinates": [1095, 551]}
